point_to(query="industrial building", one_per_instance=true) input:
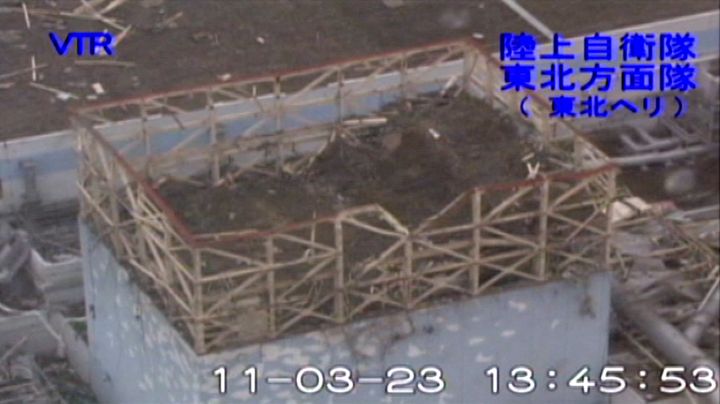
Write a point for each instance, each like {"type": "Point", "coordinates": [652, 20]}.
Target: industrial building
{"type": "Point", "coordinates": [387, 211]}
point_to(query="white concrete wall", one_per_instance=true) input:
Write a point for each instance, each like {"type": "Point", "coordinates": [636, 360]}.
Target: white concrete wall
{"type": "Point", "coordinates": [76, 349]}
{"type": "Point", "coordinates": [56, 159]}
{"type": "Point", "coordinates": [136, 355]}
{"type": "Point", "coordinates": [139, 358]}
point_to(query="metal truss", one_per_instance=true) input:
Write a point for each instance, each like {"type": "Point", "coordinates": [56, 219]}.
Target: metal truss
{"type": "Point", "coordinates": [240, 286]}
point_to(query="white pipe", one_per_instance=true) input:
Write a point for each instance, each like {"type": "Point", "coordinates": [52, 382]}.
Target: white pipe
{"type": "Point", "coordinates": [12, 349]}
{"type": "Point", "coordinates": [655, 144]}
{"type": "Point", "coordinates": [646, 136]}
{"type": "Point", "coordinates": [661, 156]}
{"type": "Point", "coordinates": [547, 32]}
{"type": "Point", "coordinates": [60, 350]}
{"type": "Point", "coordinates": [699, 322]}
{"type": "Point", "coordinates": [706, 212]}
{"type": "Point", "coordinates": [663, 336]}
{"type": "Point", "coordinates": [366, 121]}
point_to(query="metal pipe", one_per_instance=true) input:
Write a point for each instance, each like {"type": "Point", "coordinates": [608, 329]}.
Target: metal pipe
{"type": "Point", "coordinates": [661, 156]}
{"type": "Point", "coordinates": [663, 336]}
{"type": "Point", "coordinates": [705, 316]}
{"type": "Point", "coordinates": [60, 348]}
{"type": "Point", "coordinates": [650, 145]}
{"type": "Point", "coordinates": [371, 120]}
{"type": "Point", "coordinates": [531, 19]}
{"type": "Point", "coordinates": [704, 213]}
{"type": "Point", "coordinates": [10, 352]}
{"type": "Point", "coordinates": [645, 135]}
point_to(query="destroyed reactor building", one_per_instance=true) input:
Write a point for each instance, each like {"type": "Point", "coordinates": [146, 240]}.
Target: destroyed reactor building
{"type": "Point", "coordinates": [380, 228]}
{"type": "Point", "coordinates": [223, 232]}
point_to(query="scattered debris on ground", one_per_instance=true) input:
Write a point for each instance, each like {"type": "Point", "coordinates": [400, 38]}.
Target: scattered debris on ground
{"type": "Point", "coordinates": [17, 286]}
{"type": "Point", "coordinates": [430, 151]}
{"type": "Point", "coordinates": [690, 182]}
{"type": "Point", "coordinates": [171, 42]}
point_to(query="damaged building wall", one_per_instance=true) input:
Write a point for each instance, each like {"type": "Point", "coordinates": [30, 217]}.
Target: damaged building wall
{"type": "Point", "coordinates": [136, 354]}
{"type": "Point", "coordinates": [561, 326]}
{"type": "Point", "coordinates": [139, 357]}
{"type": "Point", "coordinates": [50, 174]}
{"type": "Point", "coordinates": [54, 160]}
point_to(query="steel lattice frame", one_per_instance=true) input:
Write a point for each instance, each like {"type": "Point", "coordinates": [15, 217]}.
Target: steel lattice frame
{"type": "Point", "coordinates": [280, 280]}
{"type": "Point", "coordinates": [241, 286]}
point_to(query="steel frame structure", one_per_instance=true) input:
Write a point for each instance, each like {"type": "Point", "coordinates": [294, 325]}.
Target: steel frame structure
{"type": "Point", "coordinates": [241, 286]}
{"type": "Point", "coordinates": [675, 294]}
{"type": "Point", "coordinates": [306, 273]}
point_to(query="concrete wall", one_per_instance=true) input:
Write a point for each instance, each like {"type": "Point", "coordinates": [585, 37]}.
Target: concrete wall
{"type": "Point", "coordinates": [561, 326]}
{"type": "Point", "coordinates": [138, 357]}
{"type": "Point", "coordinates": [40, 337]}
{"type": "Point", "coordinates": [55, 158]}
{"type": "Point", "coordinates": [56, 161]}
{"type": "Point", "coordinates": [76, 349]}
{"type": "Point", "coordinates": [61, 282]}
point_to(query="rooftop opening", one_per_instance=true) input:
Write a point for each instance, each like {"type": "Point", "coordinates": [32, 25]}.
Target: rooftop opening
{"type": "Point", "coordinates": [275, 204]}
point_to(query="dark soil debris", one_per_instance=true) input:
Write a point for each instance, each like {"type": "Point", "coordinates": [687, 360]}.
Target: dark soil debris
{"type": "Point", "coordinates": [401, 166]}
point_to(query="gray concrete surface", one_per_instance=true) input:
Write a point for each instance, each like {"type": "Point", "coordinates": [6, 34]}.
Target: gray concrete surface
{"type": "Point", "coordinates": [562, 326]}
